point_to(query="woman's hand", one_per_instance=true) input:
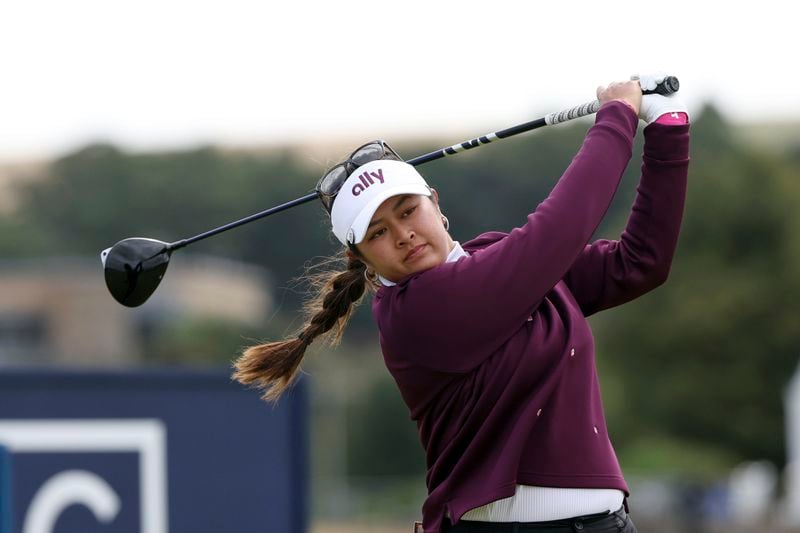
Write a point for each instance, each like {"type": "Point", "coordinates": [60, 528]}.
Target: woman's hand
{"type": "Point", "coordinates": [627, 92]}
{"type": "Point", "coordinates": [655, 105]}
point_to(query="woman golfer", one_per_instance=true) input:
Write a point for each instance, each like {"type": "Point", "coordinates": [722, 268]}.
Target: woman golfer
{"type": "Point", "coordinates": [488, 341]}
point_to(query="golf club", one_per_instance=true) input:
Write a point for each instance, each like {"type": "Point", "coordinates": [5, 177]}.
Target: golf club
{"type": "Point", "coordinates": [135, 266]}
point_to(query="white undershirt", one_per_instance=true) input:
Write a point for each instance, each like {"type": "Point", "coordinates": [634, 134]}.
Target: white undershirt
{"type": "Point", "coordinates": [532, 503]}
{"type": "Point", "coordinates": [538, 504]}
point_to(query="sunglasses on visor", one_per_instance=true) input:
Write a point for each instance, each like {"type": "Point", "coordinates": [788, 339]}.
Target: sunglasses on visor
{"type": "Point", "coordinates": [330, 182]}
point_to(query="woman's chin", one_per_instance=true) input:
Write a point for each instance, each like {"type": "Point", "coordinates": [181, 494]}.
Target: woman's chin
{"type": "Point", "coordinates": [424, 263]}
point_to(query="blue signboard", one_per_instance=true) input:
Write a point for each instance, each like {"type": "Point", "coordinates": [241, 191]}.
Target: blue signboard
{"type": "Point", "coordinates": [149, 452]}
{"type": "Point", "coordinates": [5, 490]}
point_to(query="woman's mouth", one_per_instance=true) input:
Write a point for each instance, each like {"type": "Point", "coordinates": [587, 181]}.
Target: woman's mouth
{"type": "Point", "coordinates": [415, 252]}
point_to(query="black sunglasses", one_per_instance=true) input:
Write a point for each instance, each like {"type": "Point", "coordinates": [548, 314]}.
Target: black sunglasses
{"type": "Point", "coordinates": [330, 182]}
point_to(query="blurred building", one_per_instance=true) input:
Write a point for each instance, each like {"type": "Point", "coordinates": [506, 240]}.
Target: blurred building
{"type": "Point", "coordinates": [791, 399]}
{"type": "Point", "coordinates": [58, 310]}
{"type": "Point", "coordinates": [14, 173]}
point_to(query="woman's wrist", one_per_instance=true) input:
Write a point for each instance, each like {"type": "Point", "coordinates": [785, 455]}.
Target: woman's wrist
{"type": "Point", "coordinates": [673, 119]}
{"type": "Point", "coordinates": [627, 103]}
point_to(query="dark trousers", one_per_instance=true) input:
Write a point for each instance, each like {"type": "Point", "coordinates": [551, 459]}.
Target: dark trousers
{"type": "Point", "coordinates": [618, 522]}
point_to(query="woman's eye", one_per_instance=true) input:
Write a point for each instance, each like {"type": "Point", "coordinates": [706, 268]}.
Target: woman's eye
{"type": "Point", "coordinates": [409, 211]}
{"type": "Point", "coordinates": [377, 234]}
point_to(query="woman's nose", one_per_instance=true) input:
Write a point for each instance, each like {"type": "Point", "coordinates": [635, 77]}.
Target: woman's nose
{"type": "Point", "coordinates": [405, 235]}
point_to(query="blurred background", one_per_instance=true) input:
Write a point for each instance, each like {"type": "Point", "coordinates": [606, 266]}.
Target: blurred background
{"type": "Point", "coordinates": [165, 119]}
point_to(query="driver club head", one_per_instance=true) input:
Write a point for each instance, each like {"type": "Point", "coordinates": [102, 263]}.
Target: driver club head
{"type": "Point", "coordinates": [133, 269]}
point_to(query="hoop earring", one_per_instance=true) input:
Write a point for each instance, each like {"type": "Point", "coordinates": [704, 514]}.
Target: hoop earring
{"type": "Point", "coordinates": [446, 223]}
{"type": "Point", "coordinates": [371, 277]}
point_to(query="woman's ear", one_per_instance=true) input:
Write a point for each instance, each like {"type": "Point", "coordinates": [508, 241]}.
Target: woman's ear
{"type": "Point", "coordinates": [435, 197]}
{"type": "Point", "coordinates": [351, 256]}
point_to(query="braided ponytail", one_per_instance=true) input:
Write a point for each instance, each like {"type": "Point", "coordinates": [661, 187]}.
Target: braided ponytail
{"type": "Point", "coordinates": [274, 366]}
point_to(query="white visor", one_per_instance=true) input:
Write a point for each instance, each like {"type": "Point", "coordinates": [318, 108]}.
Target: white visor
{"type": "Point", "coordinates": [364, 192]}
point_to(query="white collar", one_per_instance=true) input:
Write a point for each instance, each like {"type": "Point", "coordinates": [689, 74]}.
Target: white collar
{"type": "Point", "coordinates": [455, 254]}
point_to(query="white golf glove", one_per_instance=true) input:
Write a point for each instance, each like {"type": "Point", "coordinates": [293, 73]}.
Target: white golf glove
{"type": "Point", "coordinates": [655, 105]}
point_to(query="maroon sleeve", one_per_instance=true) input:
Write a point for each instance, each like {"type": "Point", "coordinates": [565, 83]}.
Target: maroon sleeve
{"type": "Point", "coordinates": [609, 273]}
{"type": "Point", "coordinates": [451, 317]}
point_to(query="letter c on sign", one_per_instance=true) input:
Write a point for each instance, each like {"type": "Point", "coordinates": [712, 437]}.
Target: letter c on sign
{"type": "Point", "coordinates": [69, 488]}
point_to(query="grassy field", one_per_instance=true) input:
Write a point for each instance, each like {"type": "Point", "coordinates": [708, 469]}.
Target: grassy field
{"type": "Point", "coordinates": [355, 527]}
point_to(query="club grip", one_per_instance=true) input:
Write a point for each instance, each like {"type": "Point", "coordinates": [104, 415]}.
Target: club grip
{"type": "Point", "coordinates": [667, 87]}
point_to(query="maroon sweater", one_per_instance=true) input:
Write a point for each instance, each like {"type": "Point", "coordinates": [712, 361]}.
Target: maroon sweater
{"type": "Point", "coordinates": [492, 353]}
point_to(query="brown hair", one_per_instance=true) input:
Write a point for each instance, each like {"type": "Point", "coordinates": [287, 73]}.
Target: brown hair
{"type": "Point", "coordinates": [274, 366]}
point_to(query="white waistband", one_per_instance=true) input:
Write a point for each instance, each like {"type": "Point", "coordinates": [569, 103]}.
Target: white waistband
{"type": "Point", "coordinates": [539, 504]}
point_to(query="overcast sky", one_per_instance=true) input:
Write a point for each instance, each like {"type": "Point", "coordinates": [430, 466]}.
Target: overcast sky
{"type": "Point", "coordinates": [162, 74]}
